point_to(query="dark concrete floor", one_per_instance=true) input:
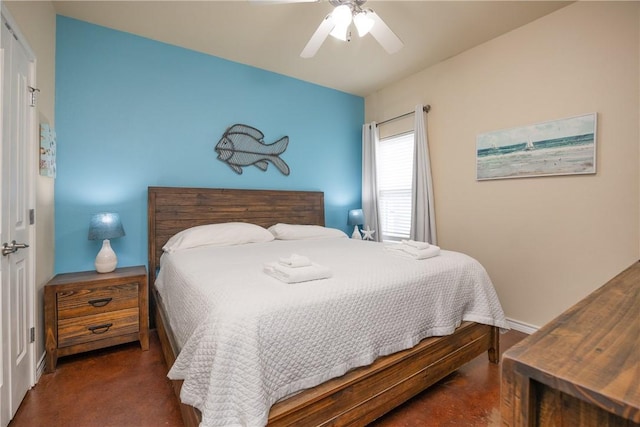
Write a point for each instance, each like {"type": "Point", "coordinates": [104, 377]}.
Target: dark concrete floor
{"type": "Point", "coordinates": [469, 397]}
{"type": "Point", "coordinates": [124, 386]}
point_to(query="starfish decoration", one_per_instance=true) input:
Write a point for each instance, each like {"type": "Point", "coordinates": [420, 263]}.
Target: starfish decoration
{"type": "Point", "coordinates": [367, 234]}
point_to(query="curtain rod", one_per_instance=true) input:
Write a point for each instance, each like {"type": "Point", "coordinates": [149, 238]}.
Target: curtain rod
{"type": "Point", "coordinates": [425, 108]}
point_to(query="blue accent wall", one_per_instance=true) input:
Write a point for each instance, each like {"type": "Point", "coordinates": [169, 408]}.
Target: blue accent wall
{"type": "Point", "coordinates": [133, 113]}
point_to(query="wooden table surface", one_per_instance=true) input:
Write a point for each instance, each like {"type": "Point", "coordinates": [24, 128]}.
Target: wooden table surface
{"type": "Point", "coordinates": [590, 353]}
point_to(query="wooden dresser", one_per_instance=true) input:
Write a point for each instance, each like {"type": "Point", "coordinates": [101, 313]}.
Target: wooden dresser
{"type": "Point", "coordinates": [583, 368]}
{"type": "Point", "coordinates": [89, 310]}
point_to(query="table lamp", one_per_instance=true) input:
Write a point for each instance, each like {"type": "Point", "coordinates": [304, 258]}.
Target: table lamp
{"type": "Point", "coordinates": [356, 218]}
{"type": "Point", "coordinates": [105, 226]}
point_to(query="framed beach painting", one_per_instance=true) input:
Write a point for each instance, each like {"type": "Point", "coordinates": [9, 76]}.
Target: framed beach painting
{"type": "Point", "coordinates": [558, 147]}
{"type": "Point", "coordinates": [47, 151]}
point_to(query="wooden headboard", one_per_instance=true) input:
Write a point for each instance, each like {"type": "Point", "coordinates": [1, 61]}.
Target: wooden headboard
{"type": "Point", "coordinates": [173, 209]}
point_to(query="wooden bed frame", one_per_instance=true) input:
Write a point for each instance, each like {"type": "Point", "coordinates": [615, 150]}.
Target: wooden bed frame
{"type": "Point", "coordinates": [354, 399]}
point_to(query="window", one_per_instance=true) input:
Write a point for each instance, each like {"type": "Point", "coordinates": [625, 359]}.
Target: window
{"type": "Point", "coordinates": [395, 171]}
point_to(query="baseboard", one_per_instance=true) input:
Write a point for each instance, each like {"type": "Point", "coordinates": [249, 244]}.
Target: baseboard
{"type": "Point", "coordinates": [40, 367]}
{"type": "Point", "coordinates": [522, 327]}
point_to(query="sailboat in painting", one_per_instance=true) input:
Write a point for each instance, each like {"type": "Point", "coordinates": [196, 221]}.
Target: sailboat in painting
{"type": "Point", "coordinates": [529, 146]}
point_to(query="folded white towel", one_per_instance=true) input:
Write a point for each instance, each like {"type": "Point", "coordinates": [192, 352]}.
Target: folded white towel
{"type": "Point", "coordinates": [295, 261]}
{"type": "Point", "coordinates": [297, 274]}
{"type": "Point", "coordinates": [411, 252]}
{"type": "Point", "coordinates": [416, 244]}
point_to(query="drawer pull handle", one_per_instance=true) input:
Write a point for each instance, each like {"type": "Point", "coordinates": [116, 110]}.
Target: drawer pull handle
{"type": "Point", "coordinates": [100, 302]}
{"type": "Point", "coordinates": [100, 329]}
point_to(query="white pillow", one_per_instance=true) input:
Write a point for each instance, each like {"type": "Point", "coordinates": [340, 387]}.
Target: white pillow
{"type": "Point", "coordinates": [300, 232]}
{"type": "Point", "coordinates": [224, 234]}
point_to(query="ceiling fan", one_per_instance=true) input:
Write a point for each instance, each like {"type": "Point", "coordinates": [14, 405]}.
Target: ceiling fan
{"type": "Point", "coordinates": [338, 24]}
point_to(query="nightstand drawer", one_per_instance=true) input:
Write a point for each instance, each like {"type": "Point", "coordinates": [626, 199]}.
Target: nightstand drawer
{"type": "Point", "coordinates": [78, 330]}
{"type": "Point", "coordinates": [95, 300]}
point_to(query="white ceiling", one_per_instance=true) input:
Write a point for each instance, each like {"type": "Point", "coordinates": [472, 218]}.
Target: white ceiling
{"type": "Point", "coordinates": [271, 36]}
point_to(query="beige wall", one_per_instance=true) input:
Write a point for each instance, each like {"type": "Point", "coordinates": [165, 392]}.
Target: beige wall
{"type": "Point", "coordinates": [37, 22]}
{"type": "Point", "coordinates": [549, 241]}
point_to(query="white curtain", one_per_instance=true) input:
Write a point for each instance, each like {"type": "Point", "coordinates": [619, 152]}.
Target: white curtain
{"type": "Point", "coordinates": [370, 140]}
{"type": "Point", "coordinates": [423, 219]}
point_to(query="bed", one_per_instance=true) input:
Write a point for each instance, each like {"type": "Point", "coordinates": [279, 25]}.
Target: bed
{"type": "Point", "coordinates": [360, 395]}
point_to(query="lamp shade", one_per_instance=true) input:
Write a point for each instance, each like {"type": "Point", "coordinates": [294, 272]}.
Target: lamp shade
{"type": "Point", "coordinates": [340, 32]}
{"type": "Point", "coordinates": [356, 217]}
{"type": "Point", "coordinates": [342, 17]}
{"type": "Point", "coordinates": [105, 225]}
{"type": "Point", "coordinates": [363, 22]}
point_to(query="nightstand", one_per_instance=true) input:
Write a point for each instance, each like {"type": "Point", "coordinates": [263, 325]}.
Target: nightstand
{"type": "Point", "coordinates": [89, 310]}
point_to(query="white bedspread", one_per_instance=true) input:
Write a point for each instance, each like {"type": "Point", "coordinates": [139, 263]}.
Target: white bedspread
{"type": "Point", "coordinates": [249, 340]}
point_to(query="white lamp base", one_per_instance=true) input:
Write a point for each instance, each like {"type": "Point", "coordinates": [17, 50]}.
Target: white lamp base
{"type": "Point", "coordinates": [356, 233]}
{"type": "Point", "coordinates": [106, 260]}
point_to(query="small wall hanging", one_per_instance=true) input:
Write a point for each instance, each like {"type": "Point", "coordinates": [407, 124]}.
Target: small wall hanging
{"type": "Point", "coordinates": [558, 147]}
{"type": "Point", "coordinates": [243, 145]}
{"type": "Point", "coordinates": [47, 151]}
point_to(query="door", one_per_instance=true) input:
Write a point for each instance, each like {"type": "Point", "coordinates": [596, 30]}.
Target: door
{"type": "Point", "coordinates": [16, 273]}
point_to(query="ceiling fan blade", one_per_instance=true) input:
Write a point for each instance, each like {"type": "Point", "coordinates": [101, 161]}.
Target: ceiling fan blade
{"type": "Point", "coordinates": [383, 34]}
{"type": "Point", "coordinates": [318, 37]}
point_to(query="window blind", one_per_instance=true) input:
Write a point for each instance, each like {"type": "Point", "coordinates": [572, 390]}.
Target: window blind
{"type": "Point", "coordinates": [394, 175]}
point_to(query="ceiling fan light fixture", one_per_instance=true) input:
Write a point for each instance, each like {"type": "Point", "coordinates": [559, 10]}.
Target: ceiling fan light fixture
{"type": "Point", "coordinates": [342, 16]}
{"type": "Point", "coordinates": [363, 23]}
{"type": "Point", "coordinates": [340, 32]}
{"type": "Point", "coordinates": [338, 22]}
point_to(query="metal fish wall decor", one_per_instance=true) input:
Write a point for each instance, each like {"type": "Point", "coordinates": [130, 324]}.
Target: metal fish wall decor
{"type": "Point", "coordinates": [243, 145]}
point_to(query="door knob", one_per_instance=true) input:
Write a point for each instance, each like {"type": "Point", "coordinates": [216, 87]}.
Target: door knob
{"type": "Point", "coordinates": [9, 248]}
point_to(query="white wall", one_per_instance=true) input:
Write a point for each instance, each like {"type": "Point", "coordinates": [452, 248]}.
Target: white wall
{"type": "Point", "coordinates": [549, 241]}
{"type": "Point", "coordinates": [37, 22]}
